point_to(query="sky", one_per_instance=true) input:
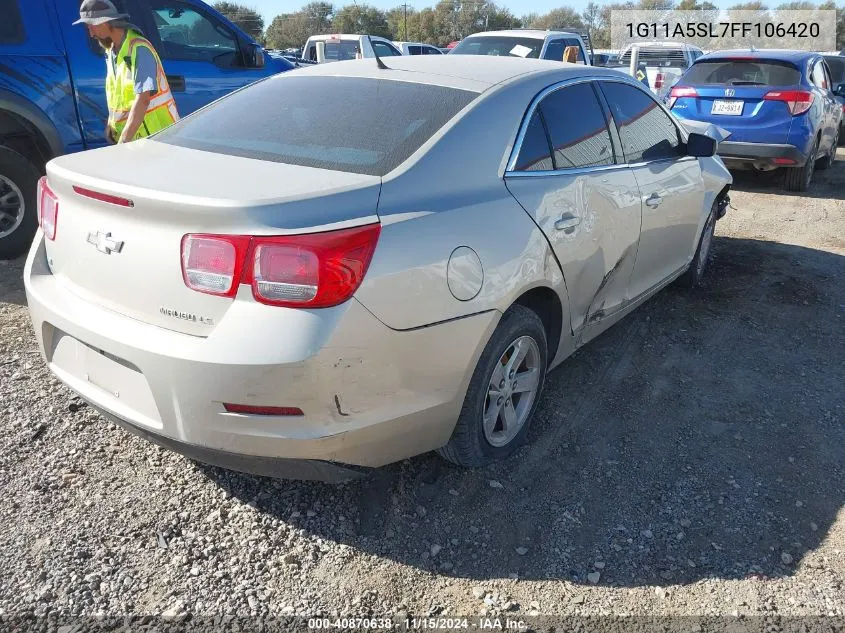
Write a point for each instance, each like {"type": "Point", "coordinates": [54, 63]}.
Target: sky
{"type": "Point", "coordinates": [271, 8]}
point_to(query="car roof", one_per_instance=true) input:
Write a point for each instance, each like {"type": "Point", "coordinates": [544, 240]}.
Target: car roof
{"type": "Point", "coordinates": [527, 33]}
{"type": "Point", "coordinates": [767, 53]}
{"type": "Point", "coordinates": [344, 36]}
{"type": "Point", "coordinates": [477, 73]}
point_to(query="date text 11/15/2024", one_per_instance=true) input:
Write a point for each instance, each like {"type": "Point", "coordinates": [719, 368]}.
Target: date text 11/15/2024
{"type": "Point", "coordinates": [723, 29]}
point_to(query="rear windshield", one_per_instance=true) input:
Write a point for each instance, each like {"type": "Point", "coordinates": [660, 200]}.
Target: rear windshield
{"type": "Point", "coordinates": [337, 50]}
{"type": "Point", "coordinates": [501, 46]}
{"type": "Point", "coordinates": [351, 124]}
{"type": "Point", "coordinates": [741, 72]}
{"type": "Point", "coordinates": [837, 69]}
{"type": "Point", "coordinates": [657, 57]}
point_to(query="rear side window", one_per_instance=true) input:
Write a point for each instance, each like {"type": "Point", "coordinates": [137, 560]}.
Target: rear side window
{"type": "Point", "coordinates": [837, 69]}
{"type": "Point", "coordinates": [11, 25]}
{"type": "Point", "coordinates": [819, 78]}
{"type": "Point", "coordinates": [577, 128]}
{"type": "Point", "coordinates": [324, 122]}
{"type": "Point", "coordinates": [414, 50]}
{"type": "Point", "coordinates": [646, 131]}
{"type": "Point", "coordinates": [556, 48]}
{"type": "Point", "coordinates": [742, 72]}
{"type": "Point", "coordinates": [535, 154]}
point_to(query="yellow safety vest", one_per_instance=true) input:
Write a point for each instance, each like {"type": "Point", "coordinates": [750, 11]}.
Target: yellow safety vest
{"type": "Point", "coordinates": [120, 91]}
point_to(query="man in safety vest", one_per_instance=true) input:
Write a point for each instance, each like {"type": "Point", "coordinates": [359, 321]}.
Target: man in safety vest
{"type": "Point", "coordinates": [138, 95]}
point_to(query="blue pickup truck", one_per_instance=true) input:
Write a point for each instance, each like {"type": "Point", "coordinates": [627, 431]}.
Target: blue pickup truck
{"type": "Point", "coordinates": [52, 94]}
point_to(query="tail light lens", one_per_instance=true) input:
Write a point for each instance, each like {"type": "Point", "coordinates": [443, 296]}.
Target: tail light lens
{"type": "Point", "coordinates": [658, 80]}
{"type": "Point", "coordinates": [315, 270]}
{"type": "Point", "coordinates": [48, 209]}
{"type": "Point", "coordinates": [213, 263]}
{"type": "Point", "coordinates": [678, 92]}
{"type": "Point", "coordinates": [798, 101]}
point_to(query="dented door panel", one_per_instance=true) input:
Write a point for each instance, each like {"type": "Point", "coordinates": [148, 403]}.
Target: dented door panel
{"type": "Point", "coordinates": [591, 218]}
{"type": "Point", "coordinates": [673, 203]}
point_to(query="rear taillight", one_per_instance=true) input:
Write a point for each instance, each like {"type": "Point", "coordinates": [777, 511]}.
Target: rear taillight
{"type": "Point", "coordinates": [315, 270]}
{"type": "Point", "coordinates": [678, 92]}
{"type": "Point", "coordinates": [213, 263]}
{"type": "Point", "coordinates": [658, 80]}
{"type": "Point", "coordinates": [797, 101]}
{"type": "Point", "coordinates": [48, 209]}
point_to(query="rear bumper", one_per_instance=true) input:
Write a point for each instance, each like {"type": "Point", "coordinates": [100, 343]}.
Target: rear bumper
{"type": "Point", "coordinates": [736, 154]}
{"type": "Point", "coordinates": [308, 469]}
{"type": "Point", "coordinates": [370, 395]}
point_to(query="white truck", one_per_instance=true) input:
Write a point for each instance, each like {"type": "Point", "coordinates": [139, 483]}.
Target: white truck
{"type": "Point", "coordinates": [343, 46]}
{"type": "Point", "coordinates": [664, 63]}
{"type": "Point", "coordinates": [528, 43]}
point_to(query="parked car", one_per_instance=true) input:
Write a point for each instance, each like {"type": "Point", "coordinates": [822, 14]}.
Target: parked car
{"type": "Point", "coordinates": [283, 294]}
{"type": "Point", "coordinates": [836, 66]}
{"type": "Point", "coordinates": [344, 46]}
{"type": "Point", "coordinates": [52, 85]}
{"type": "Point", "coordinates": [417, 48]}
{"type": "Point", "coordinates": [526, 43]}
{"type": "Point", "coordinates": [663, 62]}
{"type": "Point", "coordinates": [605, 59]}
{"type": "Point", "coordinates": [778, 106]}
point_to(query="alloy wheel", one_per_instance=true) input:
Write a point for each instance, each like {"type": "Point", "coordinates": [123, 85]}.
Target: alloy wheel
{"type": "Point", "coordinates": [511, 392]}
{"type": "Point", "coordinates": [12, 207]}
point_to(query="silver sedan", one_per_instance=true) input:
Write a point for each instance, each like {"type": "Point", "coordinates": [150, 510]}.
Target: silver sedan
{"type": "Point", "coordinates": [347, 265]}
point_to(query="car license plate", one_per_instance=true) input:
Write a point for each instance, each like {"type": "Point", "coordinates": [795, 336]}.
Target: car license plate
{"type": "Point", "coordinates": [733, 108]}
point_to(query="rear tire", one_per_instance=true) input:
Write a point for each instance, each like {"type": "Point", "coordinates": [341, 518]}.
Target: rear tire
{"type": "Point", "coordinates": [799, 178]}
{"type": "Point", "coordinates": [496, 416]}
{"type": "Point", "coordinates": [695, 273]}
{"type": "Point", "coordinates": [18, 218]}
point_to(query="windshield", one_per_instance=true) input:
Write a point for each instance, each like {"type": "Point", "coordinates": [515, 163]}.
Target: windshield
{"type": "Point", "coordinates": [502, 46]}
{"type": "Point", "coordinates": [837, 69]}
{"type": "Point", "coordinates": [324, 122]}
{"type": "Point", "coordinates": [743, 72]}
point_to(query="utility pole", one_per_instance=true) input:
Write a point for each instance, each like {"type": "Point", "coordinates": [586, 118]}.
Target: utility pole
{"type": "Point", "coordinates": [405, 21]}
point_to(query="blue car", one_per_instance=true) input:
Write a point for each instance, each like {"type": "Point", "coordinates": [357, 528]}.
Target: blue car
{"type": "Point", "coordinates": [52, 85]}
{"type": "Point", "coordinates": [779, 107]}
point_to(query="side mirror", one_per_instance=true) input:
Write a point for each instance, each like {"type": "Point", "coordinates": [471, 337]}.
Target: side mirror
{"type": "Point", "coordinates": [839, 91]}
{"type": "Point", "coordinates": [701, 146]}
{"type": "Point", "coordinates": [254, 56]}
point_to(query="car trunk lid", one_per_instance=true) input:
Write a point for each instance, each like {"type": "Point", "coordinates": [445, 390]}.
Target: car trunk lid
{"type": "Point", "coordinates": [124, 253]}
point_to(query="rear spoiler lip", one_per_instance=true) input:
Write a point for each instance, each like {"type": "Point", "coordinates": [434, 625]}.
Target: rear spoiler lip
{"type": "Point", "coordinates": [707, 129]}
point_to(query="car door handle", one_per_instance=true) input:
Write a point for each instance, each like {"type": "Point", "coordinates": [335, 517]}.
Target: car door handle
{"type": "Point", "coordinates": [654, 201]}
{"type": "Point", "coordinates": [176, 82]}
{"type": "Point", "coordinates": [567, 222]}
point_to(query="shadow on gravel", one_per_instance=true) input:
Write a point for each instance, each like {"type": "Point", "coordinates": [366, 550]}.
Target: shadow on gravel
{"type": "Point", "coordinates": [11, 281]}
{"type": "Point", "coordinates": [826, 184]}
{"type": "Point", "coordinates": [703, 437]}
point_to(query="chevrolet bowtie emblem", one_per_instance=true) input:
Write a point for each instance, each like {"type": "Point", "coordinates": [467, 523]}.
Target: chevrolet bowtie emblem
{"type": "Point", "coordinates": [104, 242]}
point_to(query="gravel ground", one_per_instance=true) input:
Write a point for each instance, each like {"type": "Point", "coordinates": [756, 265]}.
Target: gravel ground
{"type": "Point", "coordinates": [688, 462]}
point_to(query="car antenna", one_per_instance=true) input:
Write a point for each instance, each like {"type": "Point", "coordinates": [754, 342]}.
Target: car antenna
{"type": "Point", "coordinates": [375, 52]}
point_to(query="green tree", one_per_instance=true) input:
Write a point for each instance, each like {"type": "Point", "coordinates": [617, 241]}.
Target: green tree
{"type": "Point", "coordinates": [563, 18]}
{"type": "Point", "coordinates": [754, 5]}
{"type": "Point", "coordinates": [248, 19]}
{"type": "Point", "coordinates": [288, 30]}
{"type": "Point", "coordinates": [361, 18]}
